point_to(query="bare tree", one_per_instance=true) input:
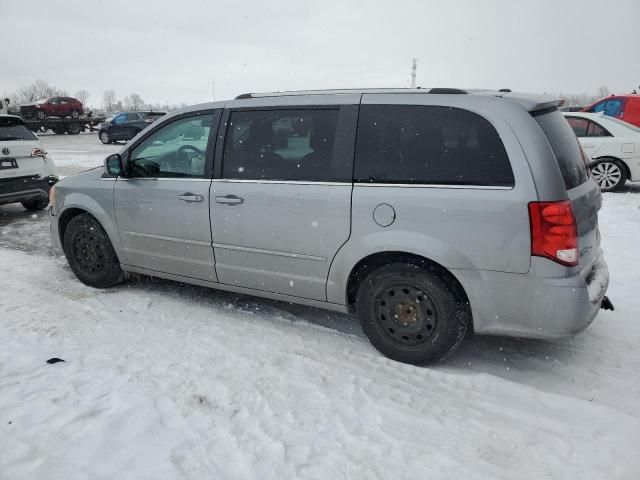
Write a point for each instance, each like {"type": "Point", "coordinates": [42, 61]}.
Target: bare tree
{"type": "Point", "coordinates": [36, 90]}
{"type": "Point", "coordinates": [137, 101]}
{"type": "Point", "coordinates": [603, 91]}
{"type": "Point", "coordinates": [82, 95]}
{"type": "Point", "coordinates": [109, 99]}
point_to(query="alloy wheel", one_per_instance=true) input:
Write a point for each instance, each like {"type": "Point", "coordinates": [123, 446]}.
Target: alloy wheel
{"type": "Point", "coordinates": [607, 174]}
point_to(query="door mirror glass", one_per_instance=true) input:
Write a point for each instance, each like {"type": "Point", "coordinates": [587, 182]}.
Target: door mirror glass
{"type": "Point", "coordinates": [113, 165]}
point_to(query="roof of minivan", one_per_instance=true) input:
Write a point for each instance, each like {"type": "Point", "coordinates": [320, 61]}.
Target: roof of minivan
{"type": "Point", "coordinates": [529, 101]}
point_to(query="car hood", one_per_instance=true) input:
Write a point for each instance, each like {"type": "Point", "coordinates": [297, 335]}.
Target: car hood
{"type": "Point", "coordinates": [93, 174]}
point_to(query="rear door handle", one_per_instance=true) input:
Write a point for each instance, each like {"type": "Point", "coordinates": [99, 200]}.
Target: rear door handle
{"type": "Point", "coordinates": [190, 197]}
{"type": "Point", "coordinates": [230, 200]}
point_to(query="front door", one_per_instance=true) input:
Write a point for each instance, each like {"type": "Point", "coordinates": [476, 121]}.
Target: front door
{"type": "Point", "coordinates": [162, 206]}
{"type": "Point", "coordinates": [281, 206]}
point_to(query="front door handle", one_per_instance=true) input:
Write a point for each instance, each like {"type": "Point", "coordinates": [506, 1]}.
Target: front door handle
{"type": "Point", "coordinates": [230, 200]}
{"type": "Point", "coordinates": [190, 197]}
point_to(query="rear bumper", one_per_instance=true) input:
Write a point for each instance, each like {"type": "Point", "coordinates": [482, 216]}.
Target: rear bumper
{"type": "Point", "coordinates": [534, 307]}
{"type": "Point", "coordinates": [20, 189]}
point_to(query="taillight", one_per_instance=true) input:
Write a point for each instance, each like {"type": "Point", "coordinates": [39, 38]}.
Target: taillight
{"type": "Point", "coordinates": [554, 233]}
{"type": "Point", "coordinates": [38, 152]}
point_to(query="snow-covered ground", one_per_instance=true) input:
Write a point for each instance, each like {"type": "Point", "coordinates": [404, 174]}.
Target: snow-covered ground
{"type": "Point", "coordinates": [163, 381]}
{"type": "Point", "coordinates": [79, 152]}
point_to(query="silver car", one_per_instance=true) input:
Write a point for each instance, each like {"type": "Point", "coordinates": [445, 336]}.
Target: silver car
{"type": "Point", "coordinates": [427, 213]}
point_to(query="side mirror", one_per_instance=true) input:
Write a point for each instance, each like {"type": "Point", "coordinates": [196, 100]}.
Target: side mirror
{"type": "Point", "coordinates": [113, 165]}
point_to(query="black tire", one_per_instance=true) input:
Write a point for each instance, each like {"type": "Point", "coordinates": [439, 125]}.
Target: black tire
{"type": "Point", "coordinates": [90, 253]}
{"type": "Point", "coordinates": [36, 204]}
{"type": "Point", "coordinates": [609, 173]}
{"type": "Point", "coordinates": [411, 314]}
{"type": "Point", "coordinates": [105, 138]}
{"type": "Point", "coordinates": [74, 128]}
{"type": "Point", "coordinates": [75, 113]}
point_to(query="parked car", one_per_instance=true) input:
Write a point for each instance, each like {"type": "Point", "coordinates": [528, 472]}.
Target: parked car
{"type": "Point", "coordinates": [26, 171]}
{"type": "Point", "coordinates": [126, 125]}
{"type": "Point", "coordinates": [612, 145]}
{"type": "Point", "coordinates": [52, 107]}
{"type": "Point", "coordinates": [624, 107]}
{"type": "Point", "coordinates": [427, 213]}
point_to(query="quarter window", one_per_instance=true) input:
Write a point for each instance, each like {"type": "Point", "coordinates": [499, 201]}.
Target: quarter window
{"type": "Point", "coordinates": [176, 149]}
{"type": "Point", "coordinates": [283, 145]}
{"type": "Point", "coordinates": [429, 145]}
{"type": "Point", "coordinates": [596, 130]}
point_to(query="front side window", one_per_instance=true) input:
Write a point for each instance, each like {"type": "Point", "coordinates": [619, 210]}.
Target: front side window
{"type": "Point", "coordinates": [282, 145]}
{"type": "Point", "coordinates": [429, 145]}
{"type": "Point", "coordinates": [175, 150]}
{"type": "Point", "coordinates": [119, 118]}
{"type": "Point", "coordinates": [579, 125]}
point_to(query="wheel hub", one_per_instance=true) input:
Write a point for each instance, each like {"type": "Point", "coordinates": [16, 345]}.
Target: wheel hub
{"type": "Point", "coordinates": [88, 252]}
{"type": "Point", "coordinates": [406, 314]}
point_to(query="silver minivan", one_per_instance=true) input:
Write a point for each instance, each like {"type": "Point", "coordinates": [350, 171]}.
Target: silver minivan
{"type": "Point", "coordinates": [427, 213]}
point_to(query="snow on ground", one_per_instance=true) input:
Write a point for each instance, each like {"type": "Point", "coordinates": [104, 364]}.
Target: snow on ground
{"type": "Point", "coordinates": [164, 380]}
{"type": "Point", "coordinates": [78, 152]}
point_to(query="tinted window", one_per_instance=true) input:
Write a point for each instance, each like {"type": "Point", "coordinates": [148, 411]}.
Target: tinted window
{"type": "Point", "coordinates": [596, 130]}
{"type": "Point", "coordinates": [13, 129]}
{"type": "Point", "coordinates": [433, 145]}
{"type": "Point", "coordinates": [282, 145]}
{"type": "Point", "coordinates": [132, 116]}
{"type": "Point", "coordinates": [176, 149]}
{"type": "Point", "coordinates": [613, 108]}
{"type": "Point", "coordinates": [565, 147]}
{"type": "Point", "coordinates": [579, 125]}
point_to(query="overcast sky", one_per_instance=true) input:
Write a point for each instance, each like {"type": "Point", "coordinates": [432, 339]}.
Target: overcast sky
{"type": "Point", "coordinates": [174, 50]}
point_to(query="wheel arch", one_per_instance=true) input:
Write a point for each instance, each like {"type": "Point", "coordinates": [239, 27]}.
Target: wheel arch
{"type": "Point", "coordinates": [376, 260]}
{"type": "Point", "coordinates": [620, 160]}
{"type": "Point", "coordinates": [75, 206]}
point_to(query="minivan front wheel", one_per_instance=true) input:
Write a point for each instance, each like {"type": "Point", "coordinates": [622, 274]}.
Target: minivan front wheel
{"type": "Point", "coordinates": [610, 174]}
{"type": "Point", "coordinates": [90, 253]}
{"type": "Point", "coordinates": [410, 314]}
{"type": "Point", "coordinates": [105, 138]}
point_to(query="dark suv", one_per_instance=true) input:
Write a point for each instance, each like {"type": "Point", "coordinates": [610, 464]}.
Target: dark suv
{"type": "Point", "coordinates": [126, 125]}
{"type": "Point", "coordinates": [53, 107]}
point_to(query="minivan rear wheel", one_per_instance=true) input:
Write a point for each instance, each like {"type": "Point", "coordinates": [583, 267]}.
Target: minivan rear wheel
{"type": "Point", "coordinates": [411, 314]}
{"type": "Point", "coordinates": [90, 253]}
{"type": "Point", "coordinates": [610, 174]}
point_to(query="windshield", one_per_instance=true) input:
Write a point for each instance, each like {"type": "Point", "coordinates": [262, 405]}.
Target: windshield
{"type": "Point", "coordinates": [12, 129]}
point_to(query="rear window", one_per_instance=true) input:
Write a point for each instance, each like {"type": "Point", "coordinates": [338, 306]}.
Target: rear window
{"type": "Point", "coordinates": [12, 129]}
{"type": "Point", "coordinates": [565, 146]}
{"type": "Point", "coordinates": [429, 145]}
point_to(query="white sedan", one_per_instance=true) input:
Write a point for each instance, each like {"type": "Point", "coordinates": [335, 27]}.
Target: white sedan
{"type": "Point", "coordinates": [612, 145]}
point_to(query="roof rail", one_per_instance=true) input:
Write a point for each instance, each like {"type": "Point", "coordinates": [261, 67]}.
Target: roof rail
{"type": "Point", "coordinates": [441, 91]}
{"type": "Point", "coordinates": [448, 91]}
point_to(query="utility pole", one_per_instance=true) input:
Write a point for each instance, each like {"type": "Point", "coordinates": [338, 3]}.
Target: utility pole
{"type": "Point", "coordinates": [213, 89]}
{"type": "Point", "coordinates": [414, 67]}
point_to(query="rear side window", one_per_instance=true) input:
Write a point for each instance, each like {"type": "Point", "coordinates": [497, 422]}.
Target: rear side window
{"type": "Point", "coordinates": [429, 145]}
{"type": "Point", "coordinates": [565, 146]}
{"type": "Point", "coordinates": [283, 145]}
{"type": "Point", "coordinates": [12, 129]}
